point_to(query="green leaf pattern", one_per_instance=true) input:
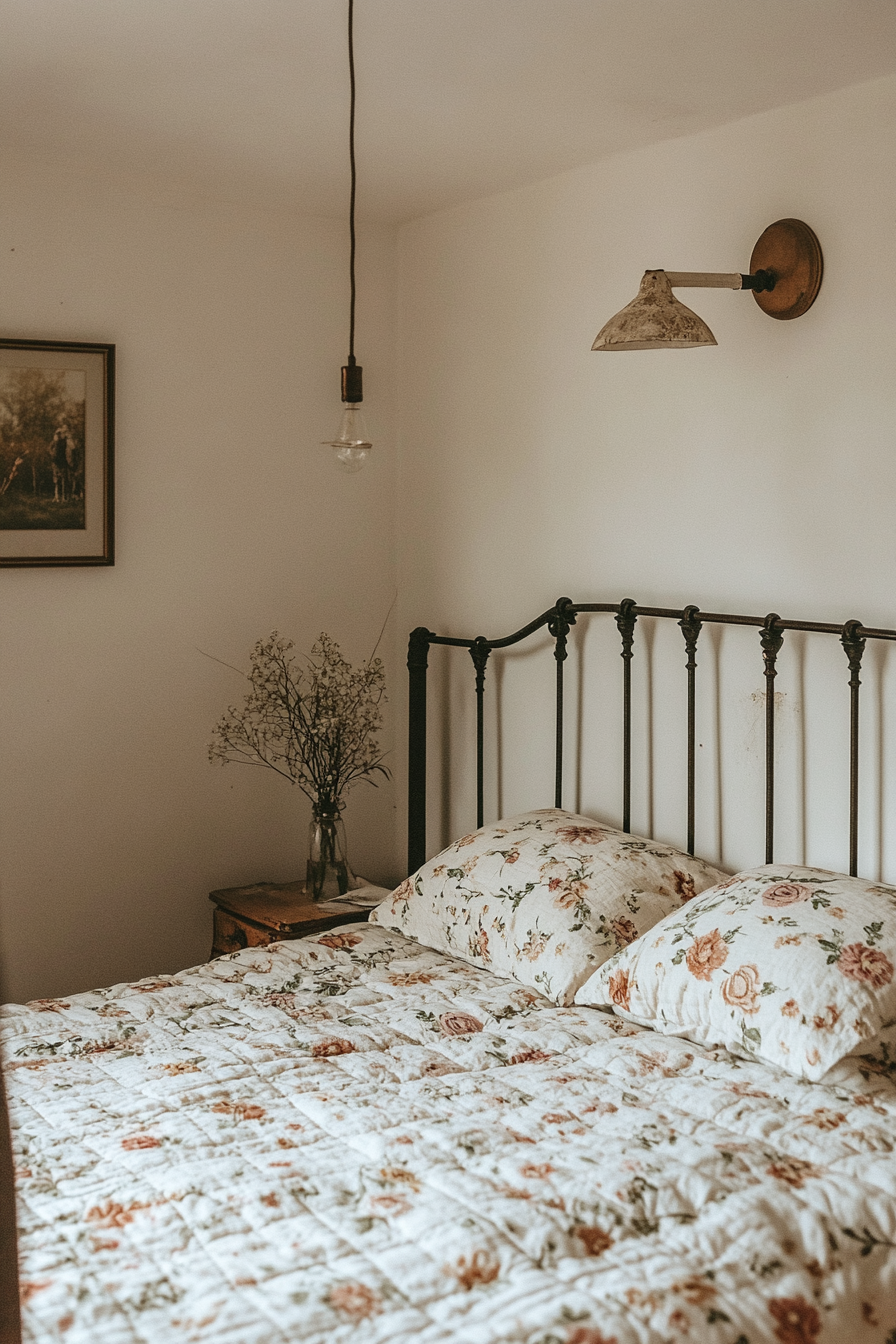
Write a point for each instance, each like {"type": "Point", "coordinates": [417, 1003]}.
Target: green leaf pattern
{"type": "Point", "coordinates": [545, 897]}
{"type": "Point", "coordinates": [355, 1137]}
{"type": "Point", "coordinates": [793, 964]}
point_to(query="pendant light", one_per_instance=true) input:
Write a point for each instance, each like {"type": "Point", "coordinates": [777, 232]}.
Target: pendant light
{"type": "Point", "coordinates": [352, 445]}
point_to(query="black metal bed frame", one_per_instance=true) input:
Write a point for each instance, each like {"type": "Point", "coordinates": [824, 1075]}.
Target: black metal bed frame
{"type": "Point", "coordinates": [558, 620]}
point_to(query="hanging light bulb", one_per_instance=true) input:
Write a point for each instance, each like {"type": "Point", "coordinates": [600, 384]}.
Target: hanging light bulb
{"type": "Point", "coordinates": [351, 445]}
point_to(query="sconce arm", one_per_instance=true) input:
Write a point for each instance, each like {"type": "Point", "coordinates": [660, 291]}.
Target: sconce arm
{"type": "Point", "coordinates": [760, 280]}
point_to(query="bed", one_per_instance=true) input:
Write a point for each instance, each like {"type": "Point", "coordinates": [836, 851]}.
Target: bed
{"type": "Point", "coordinates": [361, 1136]}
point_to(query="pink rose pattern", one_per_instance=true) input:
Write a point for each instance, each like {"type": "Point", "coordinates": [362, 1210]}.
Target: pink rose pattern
{"type": "Point", "coordinates": [459, 1024]}
{"type": "Point", "coordinates": [572, 892]}
{"type": "Point", "coordinates": [355, 1301]}
{"type": "Point", "coordinates": [796, 1320]}
{"type": "Point", "coordinates": [536, 1116]}
{"type": "Point", "coordinates": [741, 989]}
{"type": "Point", "coordinates": [624, 931]}
{"type": "Point", "coordinates": [861, 962]}
{"type": "Point", "coordinates": [706, 954]}
{"type": "Point", "coordinates": [620, 988]}
{"type": "Point", "coordinates": [684, 885]}
{"type": "Point", "coordinates": [795, 965]}
{"type": "Point", "coordinates": [786, 893]}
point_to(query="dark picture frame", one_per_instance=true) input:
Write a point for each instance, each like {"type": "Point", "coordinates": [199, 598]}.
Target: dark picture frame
{"type": "Point", "coordinates": [57, 420]}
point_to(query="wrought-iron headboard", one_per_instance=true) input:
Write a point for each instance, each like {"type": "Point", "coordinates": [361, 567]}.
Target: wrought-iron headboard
{"type": "Point", "coordinates": [558, 620]}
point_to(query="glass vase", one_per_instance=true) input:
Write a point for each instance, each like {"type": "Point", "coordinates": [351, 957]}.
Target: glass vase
{"type": "Point", "coordinates": [328, 873]}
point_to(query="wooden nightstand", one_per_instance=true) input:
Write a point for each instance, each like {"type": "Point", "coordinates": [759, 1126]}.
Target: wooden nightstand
{"type": "Point", "coordinates": [267, 912]}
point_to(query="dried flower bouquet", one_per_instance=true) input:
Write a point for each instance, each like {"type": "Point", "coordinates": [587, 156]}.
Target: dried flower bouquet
{"type": "Point", "coordinates": [317, 725]}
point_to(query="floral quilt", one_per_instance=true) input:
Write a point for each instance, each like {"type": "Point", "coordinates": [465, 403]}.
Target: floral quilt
{"type": "Point", "coordinates": [354, 1137]}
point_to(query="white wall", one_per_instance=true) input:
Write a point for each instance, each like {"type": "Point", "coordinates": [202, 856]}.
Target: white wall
{"type": "Point", "coordinates": [759, 475]}
{"type": "Point", "coordinates": [230, 327]}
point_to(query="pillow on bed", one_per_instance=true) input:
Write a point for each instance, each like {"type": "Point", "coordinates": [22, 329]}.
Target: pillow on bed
{"type": "Point", "coordinates": [544, 897]}
{"type": "Point", "coordinates": [793, 965]}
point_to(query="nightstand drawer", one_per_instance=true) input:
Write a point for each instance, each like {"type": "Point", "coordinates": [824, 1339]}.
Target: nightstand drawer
{"type": "Point", "coordinates": [232, 934]}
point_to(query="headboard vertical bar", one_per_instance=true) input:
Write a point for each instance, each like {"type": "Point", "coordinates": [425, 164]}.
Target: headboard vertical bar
{"type": "Point", "coordinates": [854, 644]}
{"type": "Point", "coordinates": [625, 621]}
{"type": "Point", "coordinates": [479, 652]}
{"type": "Point", "coordinates": [691, 625]}
{"type": "Point", "coordinates": [558, 738]}
{"type": "Point", "coordinates": [418, 658]}
{"type": "Point", "coordinates": [563, 617]}
{"type": "Point", "coordinates": [772, 639]}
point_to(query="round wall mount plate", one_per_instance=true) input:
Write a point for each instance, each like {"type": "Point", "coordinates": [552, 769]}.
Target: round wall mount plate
{"type": "Point", "coordinates": [790, 249]}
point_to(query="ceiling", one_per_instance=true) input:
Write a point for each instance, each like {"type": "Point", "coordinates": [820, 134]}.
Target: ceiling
{"type": "Point", "coordinates": [456, 98]}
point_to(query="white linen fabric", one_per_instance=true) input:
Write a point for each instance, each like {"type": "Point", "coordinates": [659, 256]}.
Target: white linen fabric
{"type": "Point", "coordinates": [355, 1138]}
{"type": "Point", "coordinates": [794, 965]}
{"type": "Point", "coordinates": [546, 897]}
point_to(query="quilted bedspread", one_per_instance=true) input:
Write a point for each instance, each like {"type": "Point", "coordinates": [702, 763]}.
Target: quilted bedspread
{"type": "Point", "coordinates": [353, 1137]}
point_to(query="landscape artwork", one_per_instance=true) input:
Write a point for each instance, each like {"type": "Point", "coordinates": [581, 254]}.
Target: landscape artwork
{"type": "Point", "coordinates": [56, 452]}
{"type": "Point", "coordinates": [42, 423]}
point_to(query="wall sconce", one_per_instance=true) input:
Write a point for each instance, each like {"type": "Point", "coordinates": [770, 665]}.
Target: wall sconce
{"type": "Point", "coordinates": [785, 277]}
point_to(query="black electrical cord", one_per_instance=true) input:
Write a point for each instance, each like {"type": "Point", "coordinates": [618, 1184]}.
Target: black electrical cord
{"type": "Point", "coordinates": [351, 155]}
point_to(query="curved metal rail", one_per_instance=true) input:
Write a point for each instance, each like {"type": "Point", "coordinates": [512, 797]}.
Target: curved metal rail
{"type": "Point", "coordinates": [558, 620]}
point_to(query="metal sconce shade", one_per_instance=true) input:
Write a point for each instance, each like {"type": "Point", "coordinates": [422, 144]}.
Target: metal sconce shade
{"type": "Point", "coordinates": [655, 320]}
{"type": "Point", "coordinates": [786, 269]}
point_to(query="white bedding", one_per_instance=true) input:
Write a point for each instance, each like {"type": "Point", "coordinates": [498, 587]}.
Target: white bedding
{"type": "Point", "coordinates": [298, 1143]}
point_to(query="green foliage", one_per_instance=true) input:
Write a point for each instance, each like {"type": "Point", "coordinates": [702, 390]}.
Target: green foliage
{"type": "Point", "coordinates": [866, 1240]}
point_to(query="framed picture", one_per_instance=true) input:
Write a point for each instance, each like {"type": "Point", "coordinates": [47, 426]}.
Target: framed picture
{"type": "Point", "coordinates": [56, 444]}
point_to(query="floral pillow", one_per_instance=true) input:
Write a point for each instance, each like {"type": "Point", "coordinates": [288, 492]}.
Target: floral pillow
{"type": "Point", "coordinates": [793, 965]}
{"type": "Point", "coordinates": [544, 897]}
